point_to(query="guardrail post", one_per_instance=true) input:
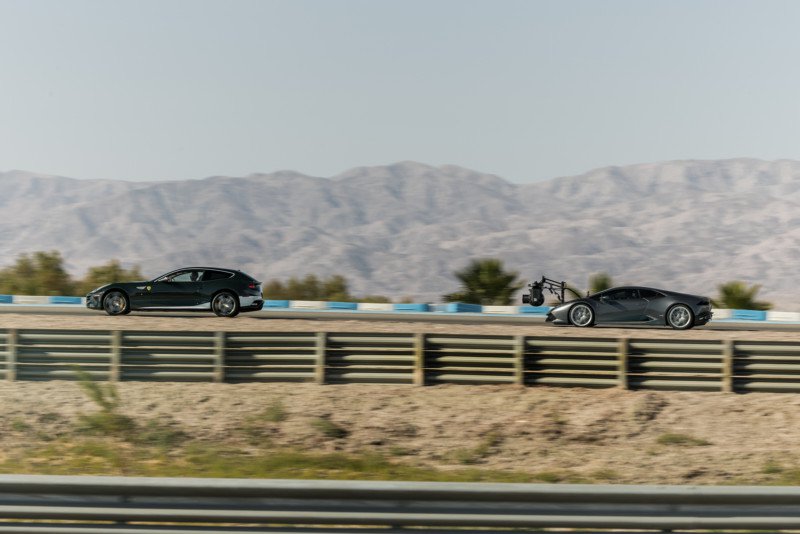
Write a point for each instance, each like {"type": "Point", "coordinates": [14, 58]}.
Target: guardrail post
{"type": "Point", "coordinates": [219, 357]}
{"type": "Point", "coordinates": [116, 356]}
{"type": "Point", "coordinates": [419, 359]}
{"type": "Point", "coordinates": [11, 361]}
{"type": "Point", "coordinates": [321, 349]}
{"type": "Point", "coordinates": [728, 352]}
{"type": "Point", "coordinates": [519, 360]}
{"type": "Point", "coordinates": [623, 349]}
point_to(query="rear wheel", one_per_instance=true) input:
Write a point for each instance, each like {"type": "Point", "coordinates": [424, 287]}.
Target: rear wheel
{"type": "Point", "coordinates": [581, 315]}
{"type": "Point", "coordinates": [116, 303]}
{"type": "Point", "coordinates": [680, 317]}
{"type": "Point", "coordinates": [225, 304]}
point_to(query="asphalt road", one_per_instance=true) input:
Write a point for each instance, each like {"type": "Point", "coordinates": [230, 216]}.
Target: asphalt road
{"type": "Point", "coordinates": [428, 317]}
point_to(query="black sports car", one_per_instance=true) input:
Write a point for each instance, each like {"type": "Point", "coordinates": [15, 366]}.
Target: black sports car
{"type": "Point", "coordinates": [636, 305]}
{"type": "Point", "coordinates": [224, 291]}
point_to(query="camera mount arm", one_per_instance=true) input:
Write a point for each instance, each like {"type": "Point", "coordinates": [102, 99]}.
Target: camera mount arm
{"type": "Point", "coordinates": [535, 296]}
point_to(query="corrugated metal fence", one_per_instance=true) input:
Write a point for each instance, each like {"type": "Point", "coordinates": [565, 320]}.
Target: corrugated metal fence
{"type": "Point", "coordinates": [419, 359]}
{"type": "Point", "coordinates": [105, 505]}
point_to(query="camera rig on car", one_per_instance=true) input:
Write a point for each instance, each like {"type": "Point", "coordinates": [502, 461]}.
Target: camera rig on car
{"type": "Point", "coordinates": [535, 296]}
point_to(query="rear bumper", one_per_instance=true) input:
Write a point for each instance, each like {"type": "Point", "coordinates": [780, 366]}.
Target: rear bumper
{"type": "Point", "coordinates": [703, 318]}
{"type": "Point", "coordinates": [254, 305]}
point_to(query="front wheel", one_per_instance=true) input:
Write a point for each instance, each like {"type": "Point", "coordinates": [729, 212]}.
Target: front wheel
{"type": "Point", "coordinates": [680, 317]}
{"type": "Point", "coordinates": [116, 303]}
{"type": "Point", "coordinates": [581, 315]}
{"type": "Point", "coordinates": [225, 304]}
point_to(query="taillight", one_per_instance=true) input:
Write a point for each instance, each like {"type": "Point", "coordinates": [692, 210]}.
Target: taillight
{"type": "Point", "coordinates": [251, 286]}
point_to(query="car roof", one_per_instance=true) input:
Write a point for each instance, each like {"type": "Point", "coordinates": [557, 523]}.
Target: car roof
{"type": "Point", "coordinates": [206, 269]}
{"type": "Point", "coordinates": [636, 287]}
{"type": "Point", "coordinates": [666, 291]}
{"type": "Point", "coordinates": [203, 269]}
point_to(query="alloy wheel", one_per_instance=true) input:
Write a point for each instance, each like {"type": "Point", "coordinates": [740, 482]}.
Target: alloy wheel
{"type": "Point", "coordinates": [224, 304]}
{"type": "Point", "coordinates": [115, 303]}
{"type": "Point", "coordinates": [581, 315]}
{"type": "Point", "coordinates": [679, 317]}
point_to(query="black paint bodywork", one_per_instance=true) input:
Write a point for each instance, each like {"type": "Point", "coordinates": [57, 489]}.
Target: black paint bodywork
{"type": "Point", "coordinates": [635, 305]}
{"type": "Point", "coordinates": [186, 289]}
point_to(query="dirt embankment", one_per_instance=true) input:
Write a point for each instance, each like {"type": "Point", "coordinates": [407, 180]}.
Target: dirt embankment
{"type": "Point", "coordinates": [561, 434]}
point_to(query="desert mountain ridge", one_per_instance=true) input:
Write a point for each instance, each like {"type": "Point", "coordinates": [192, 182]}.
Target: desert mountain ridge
{"type": "Point", "coordinates": [402, 229]}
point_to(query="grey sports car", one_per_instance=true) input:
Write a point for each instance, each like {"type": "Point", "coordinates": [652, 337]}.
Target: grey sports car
{"type": "Point", "coordinates": [634, 305]}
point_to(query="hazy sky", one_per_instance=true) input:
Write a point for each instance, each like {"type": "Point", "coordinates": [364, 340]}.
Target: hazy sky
{"type": "Point", "coordinates": [152, 90]}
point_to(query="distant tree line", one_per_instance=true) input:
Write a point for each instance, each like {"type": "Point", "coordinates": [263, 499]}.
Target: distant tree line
{"type": "Point", "coordinates": [333, 288]}
{"type": "Point", "coordinates": [483, 281]}
{"type": "Point", "coordinates": [43, 273]}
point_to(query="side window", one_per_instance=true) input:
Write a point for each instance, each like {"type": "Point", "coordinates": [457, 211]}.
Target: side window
{"type": "Point", "coordinates": [618, 294]}
{"type": "Point", "coordinates": [649, 294]}
{"type": "Point", "coordinates": [187, 276]}
{"type": "Point", "coordinates": [215, 275]}
{"type": "Point", "coordinates": [623, 294]}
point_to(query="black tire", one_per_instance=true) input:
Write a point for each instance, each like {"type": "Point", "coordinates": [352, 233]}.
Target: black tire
{"type": "Point", "coordinates": [225, 304]}
{"type": "Point", "coordinates": [680, 317]}
{"type": "Point", "coordinates": [116, 303]}
{"type": "Point", "coordinates": [581, 315]}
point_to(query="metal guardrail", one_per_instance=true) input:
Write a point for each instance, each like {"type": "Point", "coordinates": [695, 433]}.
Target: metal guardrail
{"type": "Point", "coordinates": [401, 358]}
{"type": "Point", "coordinates": [95, 505]}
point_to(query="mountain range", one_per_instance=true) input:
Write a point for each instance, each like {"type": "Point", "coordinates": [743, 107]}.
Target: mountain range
{"type": "Point", "coordinates": [401, 230]}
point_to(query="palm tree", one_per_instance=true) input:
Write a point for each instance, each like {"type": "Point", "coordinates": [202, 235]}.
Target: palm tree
{"type": "Point", "coordinates": [485, 281]}
{"type": "Point", "coordinates": [600, 282]}
{"type": "Point", "coordinates": [738, 295]}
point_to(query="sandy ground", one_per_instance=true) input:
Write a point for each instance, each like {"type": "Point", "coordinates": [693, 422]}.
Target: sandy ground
{"type": "Point", "coordinates": [600, 435]}
{"type": "Point", "coordinates": [245, 323]}
{"type": "Point", "coordinates": [597, 435]}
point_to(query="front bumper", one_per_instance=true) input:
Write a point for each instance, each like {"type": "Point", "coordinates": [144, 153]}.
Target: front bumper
{"type": "Point", "coordinates": [94, 301]}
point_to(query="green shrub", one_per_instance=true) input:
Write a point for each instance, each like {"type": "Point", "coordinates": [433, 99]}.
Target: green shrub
{"type": "Point", "coordinates": [276, 412]}
{"type": "Point", "coordinates": [328, 428]}
{"type": "Point", "coordinates": [681, 440]}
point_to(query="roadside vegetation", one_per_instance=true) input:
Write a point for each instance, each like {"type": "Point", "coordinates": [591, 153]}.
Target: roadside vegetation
{"type": "Point", "coordinates": [106, 441]}
{"type": "Point", "coordinates": [600, 282]}
{"type": "Point", "coordinates": [311, 287]}
{"type": "Point", "coordinates": [486, 281]}
{"type": "Point", "coordinates": [483, 281]}
{"type": "Point", "coordinates": [739, 296]}
{"type": "Point", "coordinates": [292, 431]}
{"type": "Point", "coordinates": [43, 273]}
